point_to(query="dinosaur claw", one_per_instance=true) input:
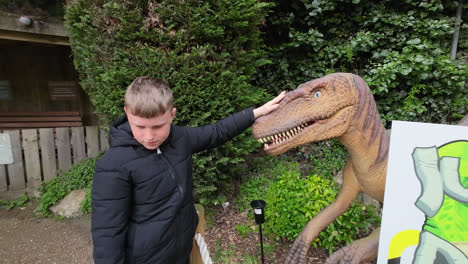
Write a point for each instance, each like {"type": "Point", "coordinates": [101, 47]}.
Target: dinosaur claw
{"type": "Point", "coordinates": [297, 253]}
{"type": "Point", "coordinates": [360, 251]}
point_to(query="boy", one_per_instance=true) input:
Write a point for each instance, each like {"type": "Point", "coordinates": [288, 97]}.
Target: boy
{"type": "Point", "coordinates": [143, 209]}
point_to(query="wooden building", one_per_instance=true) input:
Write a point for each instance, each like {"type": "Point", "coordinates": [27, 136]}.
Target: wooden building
{"type": "Point", "coordinates": [36, 69]}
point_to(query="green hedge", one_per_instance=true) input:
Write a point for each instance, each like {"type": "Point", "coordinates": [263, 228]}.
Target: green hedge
{"type": "Point", "coordinates": [208, 51]}
{"type": "Point", "coordinates": [401, 48]}
{"type": "Point", "coordinates": [213, 56]}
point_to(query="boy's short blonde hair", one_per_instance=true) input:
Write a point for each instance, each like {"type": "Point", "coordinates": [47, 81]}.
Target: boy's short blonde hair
{"type": "Point", "coordinates": [148, 97]}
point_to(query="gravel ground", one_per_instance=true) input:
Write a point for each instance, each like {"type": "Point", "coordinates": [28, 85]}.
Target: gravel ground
{"type": "Point", "coordinates": [26, 238]}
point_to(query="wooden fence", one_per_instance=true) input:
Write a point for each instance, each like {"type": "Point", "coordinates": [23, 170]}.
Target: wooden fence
{"type": "Point", "coordinates": [39, 153]}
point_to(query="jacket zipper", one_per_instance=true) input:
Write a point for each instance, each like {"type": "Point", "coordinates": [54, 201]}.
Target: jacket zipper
{"type": "Point", "coordinates": [171, 171]}
{"type": "Point", "coordinates": [179, 187]}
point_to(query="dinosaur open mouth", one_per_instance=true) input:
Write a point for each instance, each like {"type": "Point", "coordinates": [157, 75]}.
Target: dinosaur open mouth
{"type": "Point", "coordinates": [279, 138]}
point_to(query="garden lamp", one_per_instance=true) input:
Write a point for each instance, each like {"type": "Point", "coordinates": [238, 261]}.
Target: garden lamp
{"type": "Point", "coordinates": [258, 206]}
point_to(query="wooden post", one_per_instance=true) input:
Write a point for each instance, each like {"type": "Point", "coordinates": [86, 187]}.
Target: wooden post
{"type": "Point", "coordinates": [92, 141]}
{"type": "Point", "coordinates": [63, 147]}
{"type": "Point", "coordinates": [195, 256]}
{"type": "Point", "coordinates": [78, 144]}
{"type": "Point", "coordinates": [46, 142]}
{"type": "Point", "coordinates": [32, 161]}
{"type": "Point", "coordinates": [3, 179]}
{"type": "Point", "coordinates": [103, 140]}
{"type": "Point", "coordinates": [16, 170]}
{"type": "Point", "coordinates": [453, 51]}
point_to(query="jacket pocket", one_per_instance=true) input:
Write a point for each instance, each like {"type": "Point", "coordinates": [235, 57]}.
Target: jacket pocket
{"type": "Point", "coordinates": [154, 240]}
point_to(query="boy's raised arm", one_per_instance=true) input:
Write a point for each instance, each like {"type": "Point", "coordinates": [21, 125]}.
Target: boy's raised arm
{"type": "Point", "coordinates": [219, 132]}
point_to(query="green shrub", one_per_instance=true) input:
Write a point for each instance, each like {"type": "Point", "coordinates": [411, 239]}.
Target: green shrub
{"type": "Point", "coordinates": [79, 176]}
{"type": "Point", "coordinates": [292, 200]}
{"type": "Point", "coordinates": [208, 51]}
{"type": "Point", "coordinates": [265, 170]}
{"type": "Point", "coordinates": [11, 204]}
{"type": "Point", "coordinates": [243, 230]}
{"type": "Point", "coordinates": [401, 48]}
{"type": "Point", "coordinates": [324, 158]}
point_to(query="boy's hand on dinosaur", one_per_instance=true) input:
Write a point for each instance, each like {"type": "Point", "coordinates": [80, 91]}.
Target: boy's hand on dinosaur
{"type": "Point", "coordinates": [270, 106]}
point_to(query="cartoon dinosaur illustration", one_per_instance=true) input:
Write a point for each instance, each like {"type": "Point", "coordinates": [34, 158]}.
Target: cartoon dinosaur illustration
{"type": "Point", "coordinates": [443, 238]}
{"type": "Point", "coordinates": [443, 175]}
{"type": "Point", "coordinates": [340, 106]}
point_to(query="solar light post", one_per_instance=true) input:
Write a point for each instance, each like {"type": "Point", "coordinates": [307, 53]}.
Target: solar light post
{"type": "Point", "coordinates": [258, 206]}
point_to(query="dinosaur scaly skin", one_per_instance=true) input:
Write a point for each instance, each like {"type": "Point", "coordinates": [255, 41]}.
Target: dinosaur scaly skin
{"type": "Point", "coordinates": [340, 106]}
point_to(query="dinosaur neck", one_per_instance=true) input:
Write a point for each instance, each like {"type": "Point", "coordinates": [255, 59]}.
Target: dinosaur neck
{"type": "Point", "coordinates": [364, 148]}
{"type": "Point", "coordinates": [366, 138]}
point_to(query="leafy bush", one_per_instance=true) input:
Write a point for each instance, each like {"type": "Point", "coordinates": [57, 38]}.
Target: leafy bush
{"type": "Point", "coordinates": [324, 158]}
{"type": "Point", "coordinates": [208, 51]}
{"type": "Point", "coordinates": [79, 176]}
{"type": "Point", "coordinates": [243, 230]}
{"type": "Point", "coordinates": [18, 202]}
{"type": "Point", "coordinates": [293, 199]}
{"type": "Point", "coordinates": [401, 48]}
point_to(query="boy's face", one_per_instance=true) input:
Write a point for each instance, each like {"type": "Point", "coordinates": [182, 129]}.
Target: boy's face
{"type": "Point", "coordinates": [151, 132]}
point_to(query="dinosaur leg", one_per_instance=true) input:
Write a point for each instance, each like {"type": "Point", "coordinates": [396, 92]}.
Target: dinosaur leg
{"type": "Point", "coordinates": [348, 192]}
{"type": "Point", "coordinates": [361, 251]}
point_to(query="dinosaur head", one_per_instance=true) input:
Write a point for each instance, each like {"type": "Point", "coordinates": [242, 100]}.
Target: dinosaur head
{"type": "Point", "coordinates": [317, 110]}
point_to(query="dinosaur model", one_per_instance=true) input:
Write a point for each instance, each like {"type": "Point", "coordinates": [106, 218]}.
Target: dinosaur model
{"type": "Point", "coordinates": [339, 106]}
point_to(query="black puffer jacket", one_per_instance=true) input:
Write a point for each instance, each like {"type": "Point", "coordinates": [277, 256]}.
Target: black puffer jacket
{"type": "Point", "coordinates": [142, 199]}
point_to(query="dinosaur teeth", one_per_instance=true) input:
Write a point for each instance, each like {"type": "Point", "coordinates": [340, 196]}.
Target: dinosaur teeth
{"type": "Point", "coordinates": [281, 136]}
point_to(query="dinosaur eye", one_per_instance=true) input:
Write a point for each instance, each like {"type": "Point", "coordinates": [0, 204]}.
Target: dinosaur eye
{"type": "Point", "coordinates": [317, 94]}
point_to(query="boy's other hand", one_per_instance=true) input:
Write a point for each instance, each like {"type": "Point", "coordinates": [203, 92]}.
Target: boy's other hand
{"type": "Point", "coordinates": [269, 106]}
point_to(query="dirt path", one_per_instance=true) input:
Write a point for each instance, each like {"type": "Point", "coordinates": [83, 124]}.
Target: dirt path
{"type": "Point", "coordinates": [26, 238]}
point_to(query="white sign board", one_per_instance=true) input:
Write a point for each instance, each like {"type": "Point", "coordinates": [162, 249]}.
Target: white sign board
{"type": "Point", "coordinates": [425, 214]}
{"type": "Point", "coordinates": [6, 154]}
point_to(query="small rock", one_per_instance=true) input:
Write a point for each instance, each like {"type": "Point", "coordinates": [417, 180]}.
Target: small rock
{"type": "Point", "coordinates": [338, 178]}
{"type": "Point", "coordinates": [70, 205]}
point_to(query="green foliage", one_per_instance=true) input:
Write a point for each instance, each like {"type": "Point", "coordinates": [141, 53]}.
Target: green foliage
{"type": "Point", "coordinates": [249, 260]}
{"type": "Point", "coordinates": [86, 204]}
{"type": "Point", "coordinates": [401, 48]}
{"type": "Point", "coordinates": [79, 176]}
{"type": "Point", "coordinates": [207, 51]}
{"type": "Point", "coordinates": [264, 172]}
{"type": "Point", "coordinates": [11, 204]}
{"type": "Point", "coordinates": [324, 158]}
{"type": "Point", "coordinates": [209, 217]}
{"type": "Point", "coordinates": [293, 199]}
{"type": "Point", "coordinates": [222, 255]}
{"type": "Point", "coordinates": [243, 230]}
